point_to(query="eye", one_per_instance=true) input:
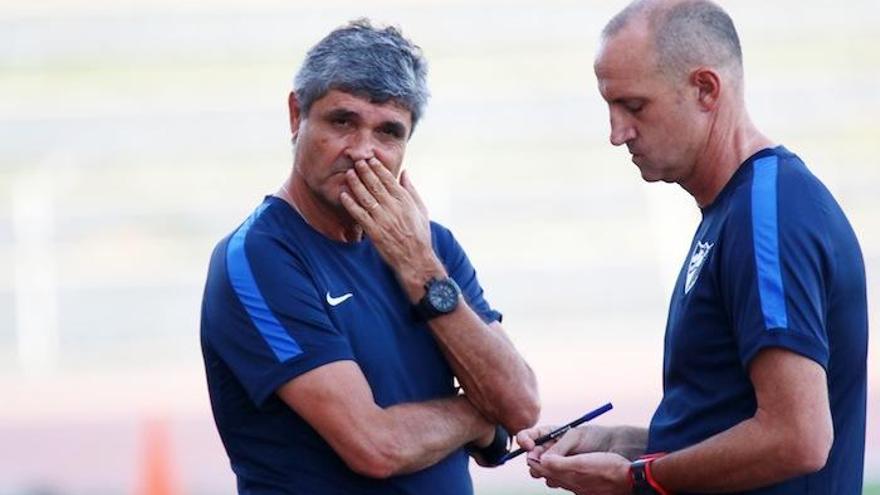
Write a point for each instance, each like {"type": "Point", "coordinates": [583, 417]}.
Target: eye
{"type": "Point", "coordinates": [391, 131]}
{"type": "Point", "coordinates": [340, 121]}
{"type": "Point", "coordinates": [634, 106]}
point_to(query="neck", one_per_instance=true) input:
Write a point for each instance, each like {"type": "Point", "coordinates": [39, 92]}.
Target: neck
{"type": "Point", "coordinates": [331, 222]}
{"type": "Point", "coordinates": [729, 143]}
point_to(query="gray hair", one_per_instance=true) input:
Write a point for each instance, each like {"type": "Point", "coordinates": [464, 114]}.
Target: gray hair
{"type": "Point", "coordinates": [375, 63]}
{"type": "Point", "coordinates": [686, 34]}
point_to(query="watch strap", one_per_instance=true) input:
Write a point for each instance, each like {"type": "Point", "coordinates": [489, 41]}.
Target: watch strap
{"type": "Point", "coordinates": [642, 478]}
{"type": "Point", "coordinates": [423, 309]}
{"type": "Point", "coordinates": [493, 454]}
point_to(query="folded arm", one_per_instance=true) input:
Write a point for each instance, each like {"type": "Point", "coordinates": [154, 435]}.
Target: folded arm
{"type": "Point", "coordinates": [377, 442]}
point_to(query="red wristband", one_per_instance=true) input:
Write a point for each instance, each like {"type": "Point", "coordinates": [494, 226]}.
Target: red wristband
{"type": "Point", "coordinates": [649, 476]}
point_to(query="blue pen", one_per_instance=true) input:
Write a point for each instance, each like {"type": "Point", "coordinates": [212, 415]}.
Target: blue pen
{"type": "Point", "coordinates": [558, 432]}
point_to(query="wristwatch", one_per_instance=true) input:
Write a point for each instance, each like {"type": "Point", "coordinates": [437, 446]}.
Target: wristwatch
{"type": "Point", "coordinates": [492, 454]}
{"type": "Point", "coordinates": [441, 297]}
{"type": "Point", "coordinates": [643, 482]}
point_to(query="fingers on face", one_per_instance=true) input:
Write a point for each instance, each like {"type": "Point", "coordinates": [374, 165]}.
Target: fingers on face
{"type": "Point", "coordinates": [361, 194]}
{"type": "Point", "coordinates": [386, 178]}
{"type": "Point", "coordinates": [367, 172]}
{"type": "Point", "coordinates": [355, 210]}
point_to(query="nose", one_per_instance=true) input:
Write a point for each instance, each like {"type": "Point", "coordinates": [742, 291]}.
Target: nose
{"type": "Point", "coordinates": [622, 129]}
{"type": "Point", "coordinates": [360, 147]}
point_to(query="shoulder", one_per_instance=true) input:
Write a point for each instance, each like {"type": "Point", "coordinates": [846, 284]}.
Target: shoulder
{"type": "Point", "coordinates": [262, 225]}
{"type": "Point", "coordinates": [778, 186]}
{"type": "Point", "coordinates": [263, 251]}
{"type": "Point", "coordinates": [439, 229]}
{"type": "Point", "coordinates": [800, 191]}
{"type": "Point", "coordinates": [446, 245]}
{"type": "Point", "coordinates": [442, 237]}
{"type": "Point", "coordinates": [271, 231]}
{"type": "Point", "coordinates": [235, 249]}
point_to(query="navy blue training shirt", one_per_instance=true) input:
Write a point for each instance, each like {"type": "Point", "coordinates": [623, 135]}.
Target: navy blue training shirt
{"type": "Point", "coordinates": [774, 263]}
{"type": "Point", "coordinates": [282, 299]}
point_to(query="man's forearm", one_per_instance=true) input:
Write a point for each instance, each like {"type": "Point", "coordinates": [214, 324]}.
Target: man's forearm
{"type": "Point", "coordinates": [418, 435]}
{"type": "Point", "coordinates": [790, 434]}
{"type": "Point", "coordinates": [747, 456]}
{"type": "Point", "coordinates": [493, 374]}
{"type": "Point", "coordinates": [337, 401]}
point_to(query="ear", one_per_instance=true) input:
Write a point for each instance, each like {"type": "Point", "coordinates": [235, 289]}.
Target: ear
{"type": "Point", "coordinates": [708, 85]}
{"type": "Point", "coordinates": [295, 114]}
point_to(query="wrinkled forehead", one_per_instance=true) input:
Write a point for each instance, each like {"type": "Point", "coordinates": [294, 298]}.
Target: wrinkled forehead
{"type": "Point", "coordinates": [361, 102]}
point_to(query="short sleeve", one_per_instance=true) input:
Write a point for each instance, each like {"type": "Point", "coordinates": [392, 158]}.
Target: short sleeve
{"type": "Point", "coordinates": [460, 269]}
{"type": "Point", "coordinates": [264, 316]}
{"type": "Point", "coordinates": [774, 266]}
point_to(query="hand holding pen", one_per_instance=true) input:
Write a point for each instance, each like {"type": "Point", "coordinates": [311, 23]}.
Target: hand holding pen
{"type": "Point", "coordinates": [562, 430]}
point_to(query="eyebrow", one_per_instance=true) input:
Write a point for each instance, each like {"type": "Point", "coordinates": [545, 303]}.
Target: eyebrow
{"type": "Point", "coordinates": [395, 126]}
{"type": "Point", "coordinates": [342, 113]}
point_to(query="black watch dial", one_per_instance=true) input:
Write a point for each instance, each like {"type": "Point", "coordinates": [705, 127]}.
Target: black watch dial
{"type": "Point", "coordinates": [442, 295]}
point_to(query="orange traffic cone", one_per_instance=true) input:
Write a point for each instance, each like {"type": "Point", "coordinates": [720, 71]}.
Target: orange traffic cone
{"type": "Point", "coordinates": [157, 476]}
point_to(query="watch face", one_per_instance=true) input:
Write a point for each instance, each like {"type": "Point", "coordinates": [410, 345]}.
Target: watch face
{"type": "Point", "coordinates": [443, 295]}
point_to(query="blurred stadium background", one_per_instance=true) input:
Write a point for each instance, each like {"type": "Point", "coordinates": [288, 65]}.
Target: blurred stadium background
{"type": "Point", "coordinates": [134, 134]}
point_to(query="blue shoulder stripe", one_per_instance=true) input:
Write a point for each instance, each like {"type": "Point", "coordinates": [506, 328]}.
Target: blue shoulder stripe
{"type": "Point", "coordinates": [242, 280]}
{"type": "Point", "coordinates": [765, 235]}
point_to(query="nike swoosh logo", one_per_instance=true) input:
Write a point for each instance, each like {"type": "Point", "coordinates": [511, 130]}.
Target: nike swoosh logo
{"type": "Point", "coordinates": [336, 301]}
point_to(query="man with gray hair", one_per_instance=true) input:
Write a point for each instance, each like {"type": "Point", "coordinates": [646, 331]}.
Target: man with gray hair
{"type": "Point", "coordinates": [337, 317]}
{"type": "Point", "coordinates": [765, 363]}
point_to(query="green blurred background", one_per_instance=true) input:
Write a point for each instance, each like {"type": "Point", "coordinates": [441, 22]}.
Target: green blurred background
{"type": "Point", "coordinates": [135, 134]}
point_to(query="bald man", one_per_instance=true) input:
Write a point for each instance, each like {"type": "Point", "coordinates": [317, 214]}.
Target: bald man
{"type": "Point", "coordinates": [764, 375]}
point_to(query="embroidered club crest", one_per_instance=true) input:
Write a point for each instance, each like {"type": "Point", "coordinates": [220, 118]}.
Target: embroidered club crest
{"type": "Point", "coordinates": [701, 250]}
